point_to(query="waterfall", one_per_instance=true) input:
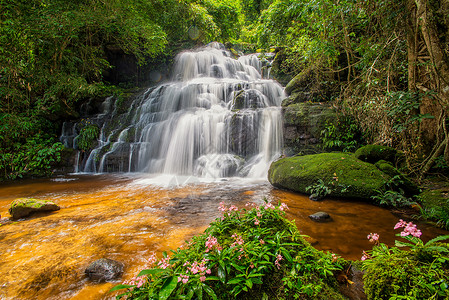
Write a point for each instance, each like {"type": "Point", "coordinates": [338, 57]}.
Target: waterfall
{"type": "Point", "coordinates": [216, 118]}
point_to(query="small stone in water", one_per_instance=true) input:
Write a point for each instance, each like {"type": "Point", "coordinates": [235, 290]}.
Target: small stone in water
{"type": "Point", "coordinates": [320, 216]}
{"type": "Point", "coordinates": [104, 269]}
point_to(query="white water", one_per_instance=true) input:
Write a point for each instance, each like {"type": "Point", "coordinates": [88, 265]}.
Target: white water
{"type": "Point", "coordinates": [217, 118]}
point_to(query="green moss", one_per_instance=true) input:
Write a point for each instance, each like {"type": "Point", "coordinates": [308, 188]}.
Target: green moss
{"type": "Point", "coordinates": [435, 206]}
{"type": "Point", "coordinates": [347, 176]}
{"type": "Point", "coordinates": [374, 153]}
{"type": "Point", "coordinates": [28, 202]}
{"type": "Point", "coordinates": [406, 274]}
{"type": "Point", "coordinates": [403, 182]}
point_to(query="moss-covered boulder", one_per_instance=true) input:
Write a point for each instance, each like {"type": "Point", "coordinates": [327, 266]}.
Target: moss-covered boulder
{"type": "Point", "coordinates": [402, 181]}
{"type": "Point", "coordinates": [343, 173]}
{"type": "Point", "coordinates": [23, 207]}
{"type": "Point", "coordinates": [374, 153]}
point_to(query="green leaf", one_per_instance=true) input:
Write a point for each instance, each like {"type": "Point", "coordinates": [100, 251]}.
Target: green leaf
{"type": "Point", "coordinates": [168, 287]}
{"type": "Point", "coordinates": [221, 274]}
{"type": "Point", "coordinates": [120, 287]}
{"type": "Point", "coordinates": [209, 291]}
{"type": "Point", "coordinates": [212, 278]}
{"type": "Point", "coordinates": [151, 272]}
{"type": "Point", "coordinates": [249, 283]}
{"type": "Point", "coordinates": [437, 239]}
{"type": "Point", "coordinates": [403, 244]}
{"type": "Point", "coordinates": [236, 280]}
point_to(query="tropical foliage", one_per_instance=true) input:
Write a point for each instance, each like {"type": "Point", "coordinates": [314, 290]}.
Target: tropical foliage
{"type": "Point", "coordinates": [253, 253]}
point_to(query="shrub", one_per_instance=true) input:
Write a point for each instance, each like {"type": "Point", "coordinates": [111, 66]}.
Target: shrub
{"type": "Point", "coordinates": [422, 272]}
{"type": "Point", "coordinates": [249, 254]}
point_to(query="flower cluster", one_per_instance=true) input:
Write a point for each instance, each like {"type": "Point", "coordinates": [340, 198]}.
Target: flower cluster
{"type": "Point", "coordinates": [409, 229]}
{"type": "Point", "coordinates": [373, 238]}
{"type": "Point", "coordinates": [365, 256]}
{"type": "Point", "coordinates": [283, 207]}
{"type": "Point", "coordinates": [164, 263]}
{"type": "Point", "coordinates": [238, 240]}
{"type": "Point", "coordinates": [278, 259]}
{"type": "Point", "coordinates": [152, 259]}
{"type": "Point", "coordinates": [137, 281]}
{"type": "Point", "coordinates": [269, 206]}
{"type": "Point", "coordinates": [195, 268]}
{"type": "Point", "coordinates": [212, 243]}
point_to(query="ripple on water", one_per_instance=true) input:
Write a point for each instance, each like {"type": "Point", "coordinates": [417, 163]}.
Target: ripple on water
{"type": "Point", "coordinates": [124, 218]}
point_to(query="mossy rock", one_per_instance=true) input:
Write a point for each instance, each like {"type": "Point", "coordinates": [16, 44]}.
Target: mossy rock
{"type": "Point", "coordinates": [374, 153]}
{"type": "Point", "coordinates": [312, 116]}
{"type": "Point", "coordinates": [23, 207]}
{"type": "Point", "coordinates": [297, 83]}
{"type": "Point", "coordinates": [407, 185]}
{"type": "Point", "coordinates": [346, 175]}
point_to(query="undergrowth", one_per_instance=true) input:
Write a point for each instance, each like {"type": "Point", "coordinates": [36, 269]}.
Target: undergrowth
{"type": "Point", "coordinates": [253, 253]}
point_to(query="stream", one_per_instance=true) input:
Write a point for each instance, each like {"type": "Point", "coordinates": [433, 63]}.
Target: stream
{"type": "Point", "coordinates": [125, 217]}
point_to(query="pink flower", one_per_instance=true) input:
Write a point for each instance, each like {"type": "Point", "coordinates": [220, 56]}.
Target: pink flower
{"type": "Point", "coordinates": [203, 278]}
{"type": "Point", "coordinates": [283, 206]}
{"type": "Point", "coordinates": [334, 257]}
{"type": "Point", "coordinates": [278, 259]}
{"type": "Point", "coordinates": [251, 265]}
{"type": "Point", "coordinates": [400, 224]}
{"type": "Point", "coordinates": [365, 256]}
{"type": "Point", "coordinates": [262, 242]}
{"type": "Point", "coordinates": [222, 207]}
{"type": "Point", "coordinates": [238, 240]}
{"type": "Point", "coordinates": [269, 205]}
{"type": "Point", "coordinates": [208, 271]}
{"type": "Point", "coordinates": [212, 243]}
{"type": "Point", "coordinates": [410, 229]}
{"type": "Point", "coordinates": [256, 222]}
{"type": "Point", "coordinates": [373, 237]}
{"type": "Point", "coordinates": [152, 259]}
{"type": "Point", "coordinates": [259, 214]}
{"type": "Point", "coordinates": [233, 208]}
{"type": "Point", "coordinates": [185, 280]}
{"type": "Point", "coordinates": [164, 263]}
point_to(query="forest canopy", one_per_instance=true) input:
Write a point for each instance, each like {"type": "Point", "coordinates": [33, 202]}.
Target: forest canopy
{"type": "Point", "coordinates": [384, 62]}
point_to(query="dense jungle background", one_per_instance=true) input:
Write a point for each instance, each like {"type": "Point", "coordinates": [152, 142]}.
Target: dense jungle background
{"type": "Point", "coordinates": [383, 64]}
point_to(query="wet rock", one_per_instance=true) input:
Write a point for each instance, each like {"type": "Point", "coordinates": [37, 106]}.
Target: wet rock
{"type": "Point", "coordinates": [320, 216]}
{"type": "Point", "coordinates": [315, 197]}
{"type": "Point", "coordinates": [375, 153]}
{"type": "Point", "coordinates": [351, 283]}
{"type": "Point", "coordinates": [23, 207]}
{"type": "Point", "coordinates": [104, 269]}
{"type": "Point", "coordinates": [342, 173]}
{"type": "Point", "coordinates": [249, 99]}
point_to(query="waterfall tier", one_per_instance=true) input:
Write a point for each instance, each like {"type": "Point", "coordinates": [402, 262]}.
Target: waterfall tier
{"type": "Point", "coordinates": [217, 118]}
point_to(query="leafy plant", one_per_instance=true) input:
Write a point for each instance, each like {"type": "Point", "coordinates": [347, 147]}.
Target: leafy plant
{"type": "Point", "coordinates": [418, 273]}
{"type": "Point", "coordinates": [319, 189]}
{"type": "Point", "coordinates": [392, 199]}
{"type": "Point", "coordinates": [392, 195]}
{"type": "Point", "coordinates": [87, 137]}
{"type": "Point", "coordinates": [342, 134]}
{"type": "Point", "coordinates": [247, 252]}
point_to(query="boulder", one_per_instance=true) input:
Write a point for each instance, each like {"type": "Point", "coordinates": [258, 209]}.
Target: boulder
{"type": "Point", "coordinates": [403, 182]}
{"type": "Point", "coordinates": [345, 175]}
{"type": "Point", "coordinates": [320, 216]}
{"type": "Point", "coordinates": [374, 153]}
{"type": "Point", "coordinates": [104, 269]}
{"type": "Point", "coordinates": [303, 123]}
{"type": "Point", "coordinates": [23, 207]}
{"type": "Point", "coordinates": [249, 99]}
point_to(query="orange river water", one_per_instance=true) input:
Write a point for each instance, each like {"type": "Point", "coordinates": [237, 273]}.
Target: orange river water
{"type": "Point", "coordinates": [126, 217]}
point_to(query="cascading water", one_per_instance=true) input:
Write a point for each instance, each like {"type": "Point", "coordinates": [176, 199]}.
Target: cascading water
{"type": "Point", "coordinates": [217, 118]}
